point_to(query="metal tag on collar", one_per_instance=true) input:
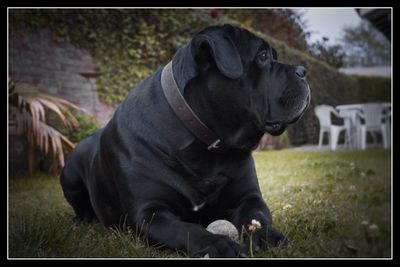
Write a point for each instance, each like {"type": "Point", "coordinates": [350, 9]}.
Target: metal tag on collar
{"type": "Point", "coordinates": [214, 145]}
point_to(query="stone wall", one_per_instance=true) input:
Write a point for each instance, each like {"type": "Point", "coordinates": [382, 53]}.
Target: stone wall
{"type": "Point", "coordinates": [59, 69]}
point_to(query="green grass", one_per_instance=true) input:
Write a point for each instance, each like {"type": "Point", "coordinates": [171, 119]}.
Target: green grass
{"type": "Point", "coordinates": [317, 199]}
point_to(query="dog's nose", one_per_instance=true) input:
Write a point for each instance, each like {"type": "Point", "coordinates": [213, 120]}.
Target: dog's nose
{"type": "Point", "coordinates": [301, 72]}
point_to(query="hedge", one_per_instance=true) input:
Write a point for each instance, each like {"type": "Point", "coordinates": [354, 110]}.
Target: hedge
{"type": "Point", "coordinates": [128, 45]}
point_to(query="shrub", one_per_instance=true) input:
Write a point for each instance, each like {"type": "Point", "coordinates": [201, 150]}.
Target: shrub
{"type": "Point", "coordinates": [87, 126]}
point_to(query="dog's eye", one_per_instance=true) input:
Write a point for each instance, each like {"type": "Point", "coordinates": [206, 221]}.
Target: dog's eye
{"type": "Point", "coordinates": [262, 57]}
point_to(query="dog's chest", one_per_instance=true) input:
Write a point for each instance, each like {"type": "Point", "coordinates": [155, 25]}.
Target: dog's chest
{"type": "Point", "coordinates": [207, 172]}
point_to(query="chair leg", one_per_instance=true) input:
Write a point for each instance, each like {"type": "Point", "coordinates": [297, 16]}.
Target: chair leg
{"type": "Point", "coordinates": [384, 137]}
{"type": "Point", "coordinates": [321, 137]}
{"type": "Point", "coordinates": [334, 138]}
{"type": "Point", "coordinates": [329, 134]}
{"type": "Point", "coordinates": [358, 137]}
{"type": "Point", "coordinates": [363, 138]}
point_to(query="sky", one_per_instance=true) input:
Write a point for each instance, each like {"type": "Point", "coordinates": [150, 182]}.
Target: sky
{"type": "Point", "coordinates": [329, 22]}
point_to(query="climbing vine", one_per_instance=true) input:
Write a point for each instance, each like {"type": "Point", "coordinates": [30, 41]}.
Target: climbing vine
{"type": "Point", "coordinates": [127, 45]}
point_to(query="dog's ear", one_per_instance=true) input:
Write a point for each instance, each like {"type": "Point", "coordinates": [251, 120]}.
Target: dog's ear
{"type": "Point", "coordinates": [218, 46]}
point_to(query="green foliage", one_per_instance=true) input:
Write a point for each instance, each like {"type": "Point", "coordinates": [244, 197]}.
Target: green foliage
{"type": "Point", "coordinates": [87, 126]}
{"type": "Point", "coordinates": [374, 89]}
{"type": "Point", "coordinates": [128, 45]}
{"type": "Point", "coordinates": [317, 199]}
{"type": "Point", "coordinates": [286, 25]}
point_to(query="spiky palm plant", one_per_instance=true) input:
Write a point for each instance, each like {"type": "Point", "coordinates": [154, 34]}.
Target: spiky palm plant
{"type": "Point", "coordinates": [30, 105]}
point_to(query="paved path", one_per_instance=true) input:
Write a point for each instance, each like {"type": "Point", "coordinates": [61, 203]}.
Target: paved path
{"type": "Point", "coordinates": [313, 148]}
{"type": "Point", "coordinates": [327, 148]}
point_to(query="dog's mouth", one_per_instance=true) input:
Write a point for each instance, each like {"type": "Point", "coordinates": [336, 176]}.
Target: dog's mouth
{"type": "Point", "coordinates": [302, 110]}
{"type": "Point", "coordinates": [274, 128]}
{"type": "Point", "coordinates": [277, 128]}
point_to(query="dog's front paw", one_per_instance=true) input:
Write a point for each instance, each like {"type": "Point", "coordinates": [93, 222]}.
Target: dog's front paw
{"type": "Point", "coordinates": [266, 238]}
{"type": "Point", "coordinates": [219, 246]}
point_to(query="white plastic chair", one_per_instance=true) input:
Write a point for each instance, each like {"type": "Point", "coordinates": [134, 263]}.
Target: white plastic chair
{"type": "Point", "coordinates": [374, 121]}
{"type": "Point", "coordinates": [352, 122]}
{"type": "Point", "coordinates": [323, 113]}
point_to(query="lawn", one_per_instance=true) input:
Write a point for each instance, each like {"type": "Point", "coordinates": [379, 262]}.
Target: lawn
{"type": "Point", "coordinates": [328, 204]}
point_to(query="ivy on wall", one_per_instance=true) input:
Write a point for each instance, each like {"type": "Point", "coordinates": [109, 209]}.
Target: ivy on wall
{"type": "Point", "coordinates": [127, 45]}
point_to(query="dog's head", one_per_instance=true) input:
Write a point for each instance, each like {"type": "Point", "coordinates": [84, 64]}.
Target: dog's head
{"type": "Point", "coordinates": [244, 81]}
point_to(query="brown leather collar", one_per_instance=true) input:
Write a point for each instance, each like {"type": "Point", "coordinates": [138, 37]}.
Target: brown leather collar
{"type": "Point", "coordinates": [183, 110]}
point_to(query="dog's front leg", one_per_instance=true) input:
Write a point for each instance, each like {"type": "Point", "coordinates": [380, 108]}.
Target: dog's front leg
{"type": "Point", "coordinates": [164, 228]}
{"type": "Point", "coordinates": [246, 203]}
{"type": "Point", "coordinates": [263, 236]}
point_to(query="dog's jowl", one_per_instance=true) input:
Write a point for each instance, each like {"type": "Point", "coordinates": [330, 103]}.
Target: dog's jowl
{"type": "Point", "coordinates": [177, 153]}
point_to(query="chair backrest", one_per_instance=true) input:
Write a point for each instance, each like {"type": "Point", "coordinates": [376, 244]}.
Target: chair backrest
{"type": "Point", "coordinates": [323, 113]}
{"type": "Point", "coordinates": [373, 114]}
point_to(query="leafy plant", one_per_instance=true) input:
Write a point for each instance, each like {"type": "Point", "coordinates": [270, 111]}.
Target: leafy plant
{"type": "Point", "coordinates": [87, 125]}
{"type": "Point", "coordinates": [29, 105]}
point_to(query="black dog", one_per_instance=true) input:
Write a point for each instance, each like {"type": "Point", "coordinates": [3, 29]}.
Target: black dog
{"type": "Point", "coordinates": [177, 153]}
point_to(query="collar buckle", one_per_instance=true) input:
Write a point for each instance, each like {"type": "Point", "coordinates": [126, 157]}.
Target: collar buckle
{"type": "Point", "coordinates": [214, 145]}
